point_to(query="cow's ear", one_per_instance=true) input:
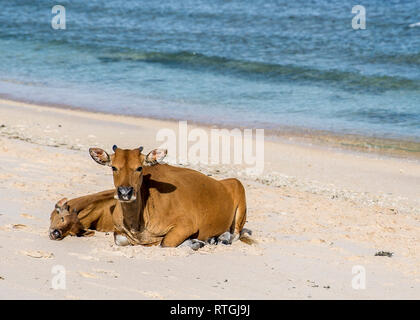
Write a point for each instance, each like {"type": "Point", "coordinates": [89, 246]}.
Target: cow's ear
{"type": "Point", "coordinates": [155, 156]}
{"type": "Point", "coordinates": [100, 156]}
{"type": "Point", "coordinates": [61, 204]}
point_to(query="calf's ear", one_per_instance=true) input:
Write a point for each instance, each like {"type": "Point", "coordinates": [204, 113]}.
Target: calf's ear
{"type": "Point", "coordinates": [155, 156]}
{"type": "Point", "coordinates": [100, 156]}
{"type": "Point", "coordinates": [61, 204]}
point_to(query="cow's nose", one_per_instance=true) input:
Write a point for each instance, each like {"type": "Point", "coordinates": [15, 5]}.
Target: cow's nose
{"type": "Point", "coordinates": [55, 234]}
{"type": "Point", "coordinates": [125, 193]}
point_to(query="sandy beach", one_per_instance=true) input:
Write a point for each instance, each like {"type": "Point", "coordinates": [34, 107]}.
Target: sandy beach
{"type": "Point", "coordinates": [316, 212]}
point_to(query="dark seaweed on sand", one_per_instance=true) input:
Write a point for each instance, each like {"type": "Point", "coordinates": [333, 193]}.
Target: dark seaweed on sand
{"type": "Point", "coordinates": [384, 254]}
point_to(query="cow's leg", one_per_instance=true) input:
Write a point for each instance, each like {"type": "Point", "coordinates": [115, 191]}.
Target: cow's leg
{"type": "Point", "coordinates": [144, 238]}
{"type": "Point", "coordinates": [178, 234]}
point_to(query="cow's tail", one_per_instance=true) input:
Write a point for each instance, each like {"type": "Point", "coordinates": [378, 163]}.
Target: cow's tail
{"type": "Point", "coordinates": [245, 237]}
{"type": "Point", "coordinates": [239, 231]}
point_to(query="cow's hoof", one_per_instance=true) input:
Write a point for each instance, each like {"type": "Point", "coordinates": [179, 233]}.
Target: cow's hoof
{"type": "Point", "coordinates": [193, 244]}
{"type": "Point", "coordinates": [212, 240]}
{"type": "Point", "coordinates": [121, 240]}
{"type": "Point", "coordinates": [197, 244]}
{"type": "Point", "coordinates": [225, 238]}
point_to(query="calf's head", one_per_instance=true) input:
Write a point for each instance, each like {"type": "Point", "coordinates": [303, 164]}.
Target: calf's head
{"type": "Point", "coordinates": [64, 222]}
{"type": "Point", "coordinates": [127, 168]}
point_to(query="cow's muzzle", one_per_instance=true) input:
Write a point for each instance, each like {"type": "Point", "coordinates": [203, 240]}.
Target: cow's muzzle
{"type": "Point", "coordinates": [55, 234]}
{"type": "Point", "coordinates": [125, 193]}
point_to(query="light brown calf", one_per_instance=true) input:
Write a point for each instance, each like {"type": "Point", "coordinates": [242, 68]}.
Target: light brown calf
{"type": "Point", "coordinates": [79, 216]}
{"type": "Point", "coordinates": [167, 205]}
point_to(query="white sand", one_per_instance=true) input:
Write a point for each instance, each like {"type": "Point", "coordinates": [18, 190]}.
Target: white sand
{"type": "Point", "coordinates": [316, 212]}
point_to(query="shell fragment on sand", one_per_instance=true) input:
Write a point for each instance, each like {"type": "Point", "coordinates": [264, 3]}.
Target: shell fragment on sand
{"type": "Point", "coordinates": [88, 275]}
{"type": "Point", "coordinates": [27, 216]}
{"type": "Point", "coordinates": [38, 254]}
{"type": "Point", "coordinates": [19, 226]}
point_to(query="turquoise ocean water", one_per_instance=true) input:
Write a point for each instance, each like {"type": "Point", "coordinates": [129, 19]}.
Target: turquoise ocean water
{"type": "Point", "coordinates": [261, 64]}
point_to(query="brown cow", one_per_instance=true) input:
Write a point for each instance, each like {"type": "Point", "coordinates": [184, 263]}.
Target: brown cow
{"type": "Point", "coordinates": [170, 206]}
{"type": "Point", "coordinates": [76, 216]}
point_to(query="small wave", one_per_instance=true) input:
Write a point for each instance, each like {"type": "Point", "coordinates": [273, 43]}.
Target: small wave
{"type": "Point", "coordinates": [267, 71]}
{"type": "Point", "coordinates": [381, 116]}
{"type": "Point", "coordinates": [26, 83]}
{"type": "Point", "coordinates": [397, 58]}
{"type": "Point", "coordinates": [413, 25]}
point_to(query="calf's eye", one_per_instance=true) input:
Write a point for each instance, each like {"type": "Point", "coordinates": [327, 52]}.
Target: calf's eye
{"type": "Point", "coordinates": [114, 169]}
{"type": "Point", "coordinates": [139, 169]}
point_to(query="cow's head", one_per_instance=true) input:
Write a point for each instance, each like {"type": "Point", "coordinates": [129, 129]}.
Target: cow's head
{"type": "Point", "coordinates": [64, 222]}
{"type": "Point", "coordinates": [127, 167]}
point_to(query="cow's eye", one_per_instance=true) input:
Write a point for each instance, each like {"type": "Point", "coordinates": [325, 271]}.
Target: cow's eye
{"type": "Point", "coordinates": [139, 169]}
{"type": "Point", "coordinates": [114, 169]}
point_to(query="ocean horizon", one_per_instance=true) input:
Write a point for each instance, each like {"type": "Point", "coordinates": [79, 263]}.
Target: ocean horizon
{"type": "Point", "coordinates": [257, 64]}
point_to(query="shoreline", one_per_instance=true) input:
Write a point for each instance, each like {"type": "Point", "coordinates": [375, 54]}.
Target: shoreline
{"type": "Point", "coordinates": [392, 147]}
